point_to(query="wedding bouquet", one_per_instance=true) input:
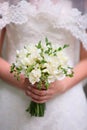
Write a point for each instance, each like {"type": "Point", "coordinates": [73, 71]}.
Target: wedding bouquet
{"type": "Point", "coordinates": [41, 64]}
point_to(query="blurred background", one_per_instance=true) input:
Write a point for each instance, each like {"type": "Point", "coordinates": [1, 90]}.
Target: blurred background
{"type": "Point", "coordinates": [80, 4]}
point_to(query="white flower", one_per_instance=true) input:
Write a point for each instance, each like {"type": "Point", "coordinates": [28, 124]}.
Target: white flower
{"type": "Point", "coordinates": [34, 61]}
{"type": "Point", "coordinates": [35, 76]}
{"type": "Point", "coordinates": [62, 58]}
{"type": "Point", "coordinates": [51, 65]}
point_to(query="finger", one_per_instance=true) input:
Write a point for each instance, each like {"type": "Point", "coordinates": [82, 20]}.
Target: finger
{"type": "Point", "coordinates": [42, 100]}
{"type": "Point", "coordinates": [37, 92]}
{"type": "Point", "coordinates": [28, 93]}
{"type": "Point", "coordinates": [41, 93]}
{"type": "Point", "coordinates": [37, 97]}
{"type": "Point", "coordinates": [26, 83]}
{"type": "Point", "coordinates": [38, 100]}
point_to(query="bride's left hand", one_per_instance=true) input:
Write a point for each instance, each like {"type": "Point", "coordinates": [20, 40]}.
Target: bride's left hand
{"type": "Point", "coordinates": [41, 96]}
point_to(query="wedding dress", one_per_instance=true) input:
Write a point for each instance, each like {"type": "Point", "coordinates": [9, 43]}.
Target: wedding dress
{"type": "Point", "coordinates": [27, 24]}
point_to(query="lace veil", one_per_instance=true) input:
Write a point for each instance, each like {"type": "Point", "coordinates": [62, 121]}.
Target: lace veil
{"type": "Point", "coordinates": [76, 22]}
{"type": "Point", "coordinates": [80, 4]}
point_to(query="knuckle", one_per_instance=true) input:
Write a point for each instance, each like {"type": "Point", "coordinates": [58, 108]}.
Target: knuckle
{"type": "Point", "coordinates": [41, 93]}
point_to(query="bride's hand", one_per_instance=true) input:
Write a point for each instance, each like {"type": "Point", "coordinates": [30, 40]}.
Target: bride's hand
{"type": "Point", "coordinates": [41, 96]}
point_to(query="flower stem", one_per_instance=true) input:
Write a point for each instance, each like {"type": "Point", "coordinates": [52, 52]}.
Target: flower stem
{"type": "Point", "coordinates": [36, 109]}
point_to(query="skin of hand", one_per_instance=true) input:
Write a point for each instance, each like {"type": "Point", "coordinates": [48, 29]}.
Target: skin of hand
{"type": "Point", "coordinates": [43, 95]}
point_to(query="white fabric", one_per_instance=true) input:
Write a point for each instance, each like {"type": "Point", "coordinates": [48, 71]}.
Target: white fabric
{"type": "Point", "coordinates": [18, 14]}
{"type": "Point", "coordinates": [62, 25]}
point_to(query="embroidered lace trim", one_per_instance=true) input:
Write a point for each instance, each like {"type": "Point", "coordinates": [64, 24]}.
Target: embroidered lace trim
{"type": "Point", "coordinates": [74, 22]}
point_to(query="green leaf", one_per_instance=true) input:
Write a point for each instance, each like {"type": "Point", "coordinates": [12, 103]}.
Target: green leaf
{"type": "Point", "coordinates": [46, 84]}
{"type": "Point", "coordinates": [65, 46]}
{"type": "Point", "coordinates": [65, 71]}
{"type": "Point", "coordinates": [18, 68]}
{"type": "Point", "coordinates": [28, 54]}
{"type": "Point", "coordinates": [59, 49]}
{"type": "Point", "coordinates": [29, 68]}
{"type": "Point", "coordinates": [39, 85]}
{"type": "Point", "coordinates": [43, 61]}
{"type": "Point", "coordinates": [46, 40]}
{"type": "Point", "coordinates": [24, 47]}
{"type": "Point", "coordinates": [12, 68]}
{"type": "Point", "coordinates": [39, 46]}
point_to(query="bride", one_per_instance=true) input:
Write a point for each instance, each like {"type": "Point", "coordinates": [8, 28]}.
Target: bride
{"type": "Point", "coordinates": [23, 21]}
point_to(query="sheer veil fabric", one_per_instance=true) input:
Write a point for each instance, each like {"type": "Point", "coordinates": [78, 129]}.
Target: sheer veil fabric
{"type": "Point", "coordinates": [16, 11]}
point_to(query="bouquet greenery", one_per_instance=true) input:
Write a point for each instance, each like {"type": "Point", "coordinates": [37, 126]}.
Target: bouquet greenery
{"type": "Point", "coordinates": [41, 64]}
